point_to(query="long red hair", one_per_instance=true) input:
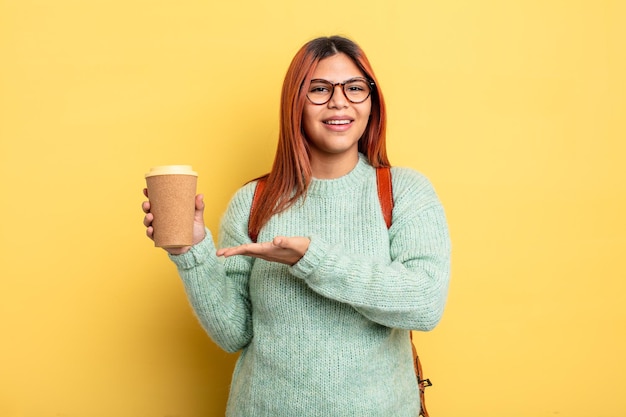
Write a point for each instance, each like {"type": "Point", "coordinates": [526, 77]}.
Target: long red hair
{"type": "Point", "coordinates": [291, 172]}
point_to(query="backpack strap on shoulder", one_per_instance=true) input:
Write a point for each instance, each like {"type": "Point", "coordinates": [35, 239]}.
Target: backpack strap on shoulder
{"type": "Point", "coordinates": [385, 195]}
{"type": "Point", "coordinates": [385, 192]}
{"type": "Point", "coordinates": [260, 186]}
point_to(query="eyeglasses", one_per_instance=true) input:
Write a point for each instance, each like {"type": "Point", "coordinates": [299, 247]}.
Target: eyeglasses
{"type": "Point", "coordinates": [356, 90]}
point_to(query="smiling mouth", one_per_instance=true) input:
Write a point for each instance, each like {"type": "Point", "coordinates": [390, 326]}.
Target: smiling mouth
{"type": "Point", "coordinates": [337, 122]}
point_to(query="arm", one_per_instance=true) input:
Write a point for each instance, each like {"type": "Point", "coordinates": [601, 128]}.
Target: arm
{"type": "Point", "coordinates": [410, 291]}
{"type": "Point", "coordinates": [218, 291]}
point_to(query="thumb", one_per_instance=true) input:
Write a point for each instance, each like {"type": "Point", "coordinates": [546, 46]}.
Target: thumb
{"type": "Point", "coordinates": [200, 202]}
{"type": "Point", "coordinates": [199, 214]}
{"type": "Point", "coordinates": [280, 242]}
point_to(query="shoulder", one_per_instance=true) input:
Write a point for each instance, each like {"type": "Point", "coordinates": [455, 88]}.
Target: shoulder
{"type": "Point", "coordinates": [414, 197]}
{"type": "Point", "coordinates": [412, 185]}
{"type": "Point", "coordinates": [405, 175]}
{"type": "Point", "coordinates": [234, 221]}
{"type": "Point", "coordinates": [241, 200]}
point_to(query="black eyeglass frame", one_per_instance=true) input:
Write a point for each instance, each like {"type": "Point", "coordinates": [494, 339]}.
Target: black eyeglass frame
{"type": "Point", "coordinates": [370, 83]}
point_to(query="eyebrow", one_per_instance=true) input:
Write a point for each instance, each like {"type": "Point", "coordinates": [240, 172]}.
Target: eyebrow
{"type": "Point", "coordinates": [341, 82]}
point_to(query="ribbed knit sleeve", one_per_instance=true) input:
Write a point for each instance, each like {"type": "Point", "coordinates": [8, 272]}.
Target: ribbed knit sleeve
{"type": "Point", "coordinates": [329, 335]}
{"type": "Point", "coordinates": [407, 291]}
{"type": "Point", "coordinates": [218, 289]}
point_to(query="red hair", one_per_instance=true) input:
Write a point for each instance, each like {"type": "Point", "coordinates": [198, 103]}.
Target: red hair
{"type": "Point", "coordinates": [291, 173]}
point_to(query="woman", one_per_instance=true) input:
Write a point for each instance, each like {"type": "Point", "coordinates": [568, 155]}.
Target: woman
{"type": "Point", "coordinates": [322, 306]}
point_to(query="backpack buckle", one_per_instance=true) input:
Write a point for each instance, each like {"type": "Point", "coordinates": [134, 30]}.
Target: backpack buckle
{"type": "Point", "coordinates": [426, 382]}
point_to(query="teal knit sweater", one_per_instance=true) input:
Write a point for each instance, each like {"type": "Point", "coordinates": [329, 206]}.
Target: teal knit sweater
{"type": "Point", "coordinates": [329, 336]}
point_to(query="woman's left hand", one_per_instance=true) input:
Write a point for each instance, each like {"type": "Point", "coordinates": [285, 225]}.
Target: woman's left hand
{"type": "Point", "coordinates": [285, 250]}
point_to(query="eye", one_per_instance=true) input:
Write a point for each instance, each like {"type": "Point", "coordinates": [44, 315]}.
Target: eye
{"type": "Point", "coordinates": [357, 86]}
{"type": "Point", "coordinates": [319, 87]}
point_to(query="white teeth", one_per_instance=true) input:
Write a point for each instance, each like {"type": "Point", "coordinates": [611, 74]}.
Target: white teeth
{"type": "Point", "coordinates": [337, 122]}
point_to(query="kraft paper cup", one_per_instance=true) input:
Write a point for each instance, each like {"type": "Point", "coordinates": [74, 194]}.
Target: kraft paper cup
{"type": "Point", "coordinates": [172, 195]}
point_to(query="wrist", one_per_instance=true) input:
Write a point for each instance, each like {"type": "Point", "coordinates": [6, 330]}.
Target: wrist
{"type": "Point", "coordinates": [177, 251]}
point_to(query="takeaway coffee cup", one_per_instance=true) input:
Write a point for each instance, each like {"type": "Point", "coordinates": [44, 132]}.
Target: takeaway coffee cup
{"type": "Point", "coordinates": [172, 195]}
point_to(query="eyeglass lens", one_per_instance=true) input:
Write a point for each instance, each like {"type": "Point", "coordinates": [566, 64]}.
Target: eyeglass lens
{"type": "Point", "coordinates": [356, 90]}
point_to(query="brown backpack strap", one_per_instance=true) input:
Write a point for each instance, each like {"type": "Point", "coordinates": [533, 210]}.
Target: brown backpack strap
{"type": "Point", "coordinates": [421, 382]}
{"type": "Point", "coordinates": [260, 186]}
{"type": "Point", "coordinates": [385, 192]}
{"type": "Point", "coordinates": [385, 195]}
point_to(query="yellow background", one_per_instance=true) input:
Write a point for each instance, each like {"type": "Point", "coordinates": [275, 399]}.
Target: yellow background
{"type": "Point", "coordinates": [514, 109]}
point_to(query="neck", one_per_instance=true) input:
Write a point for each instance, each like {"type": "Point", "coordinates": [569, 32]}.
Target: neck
{"type": "Point", "coordinates": [333, 166]}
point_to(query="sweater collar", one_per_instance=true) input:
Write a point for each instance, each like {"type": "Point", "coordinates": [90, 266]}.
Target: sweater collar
{"type": "Point", "coordinates": [348, 182]}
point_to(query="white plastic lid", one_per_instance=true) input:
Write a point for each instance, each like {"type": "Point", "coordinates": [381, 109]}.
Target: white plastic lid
{"type": "Point", "coordinates": [171, 170]}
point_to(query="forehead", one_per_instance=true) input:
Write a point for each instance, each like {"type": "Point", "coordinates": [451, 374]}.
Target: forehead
{"type": "Point", "coordinates": [337, 68]}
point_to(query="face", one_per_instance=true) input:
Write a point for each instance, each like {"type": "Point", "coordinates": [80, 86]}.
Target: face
{"type": "Point", "coordinates": [334, 129]}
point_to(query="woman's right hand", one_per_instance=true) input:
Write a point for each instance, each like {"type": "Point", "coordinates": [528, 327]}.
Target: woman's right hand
{"type": "Point", "coordinates": [199, 232]}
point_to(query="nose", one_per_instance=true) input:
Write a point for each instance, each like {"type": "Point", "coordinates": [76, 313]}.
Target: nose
{"type": "Point", "coordinates": [338, 99]}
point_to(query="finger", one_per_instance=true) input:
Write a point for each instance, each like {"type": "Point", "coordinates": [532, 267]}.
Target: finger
{"type": "Point", "coordinates": [145, 192]}
{"type": "Point", "coordinates": [226, 252]}
{"type": "Point", "coordinates": [200, 202]}
{"type": "Point", "coordinates": [150, 232]}
{"type": "Point", "coordinates": [148, 219]}
{"type": "Point", "coordinates": [145, 206]}
{"type": "Point", "coordinates": [281, 242]}
{"type": "Point", "coordinates": [223, 251]}
{"type": "Point", "coordinates": [245, 249]}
